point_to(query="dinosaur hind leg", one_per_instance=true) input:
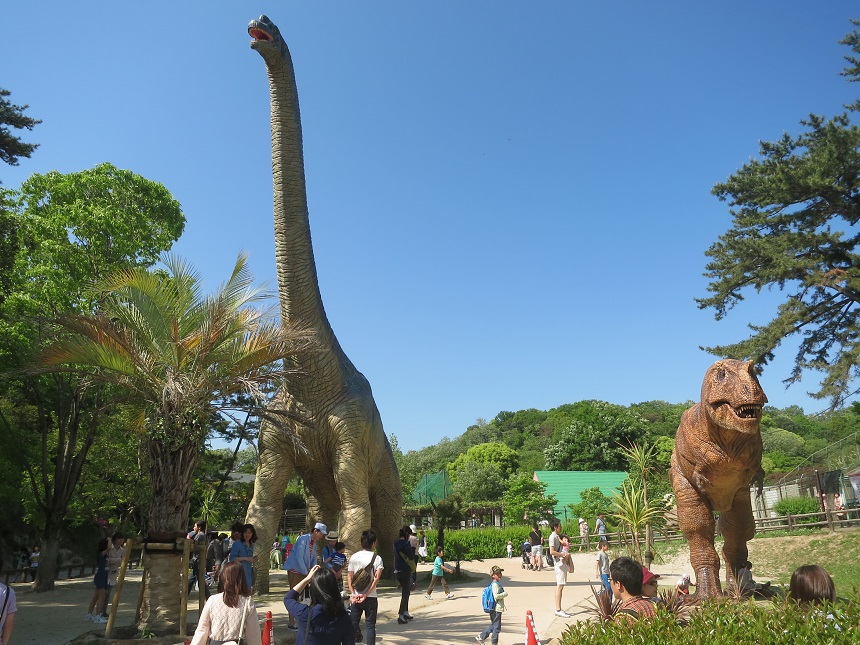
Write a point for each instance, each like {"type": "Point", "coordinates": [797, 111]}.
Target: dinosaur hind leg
{"type": "Point", "coordinates": [738, 527]}
{"type": "Point", "coordinates": [696, 521]}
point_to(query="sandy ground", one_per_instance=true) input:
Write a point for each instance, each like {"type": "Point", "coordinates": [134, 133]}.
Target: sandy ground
{"type": "Point", "coordinates": [57, 617]}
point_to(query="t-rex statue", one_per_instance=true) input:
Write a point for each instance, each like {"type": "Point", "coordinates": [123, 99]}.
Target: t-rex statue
{"type": "Point", "coordinates": [348, 468]}
{"type": "Point", "coordinates": [716, 458]}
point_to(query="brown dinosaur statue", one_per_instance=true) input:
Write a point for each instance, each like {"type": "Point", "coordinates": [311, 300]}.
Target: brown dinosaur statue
{"type": "Point", "coordinates": [716, 458]}
{"type": "Point", "coordinates": [347, 466]}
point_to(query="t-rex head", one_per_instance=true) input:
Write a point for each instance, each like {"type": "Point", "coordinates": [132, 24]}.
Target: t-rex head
{"type": "Point", "coordinates": [267, 39]}
{"type": "Point", "coordinates": [732, 397]}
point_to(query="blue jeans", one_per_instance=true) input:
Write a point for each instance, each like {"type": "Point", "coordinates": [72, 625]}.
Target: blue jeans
{"type": "Point", "coordinates": [369, 607]}
{"type": "Point", "coordinates": [494, 628]}
{"type": "Point", "coordinates": [605, 578]}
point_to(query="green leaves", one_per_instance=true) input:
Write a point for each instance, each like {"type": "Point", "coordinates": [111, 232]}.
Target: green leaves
{"type": "Point", "coordinates": [794, 210]}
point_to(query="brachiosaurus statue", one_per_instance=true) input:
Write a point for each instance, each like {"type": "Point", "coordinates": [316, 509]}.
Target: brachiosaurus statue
{"type": "Point", "coordinates": [348, 469]}
{"type": "Point", "coordinates": [717, 457]}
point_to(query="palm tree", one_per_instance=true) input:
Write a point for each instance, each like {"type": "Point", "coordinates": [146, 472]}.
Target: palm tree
{"type": "Point", "coordinates": [634, 512]}
{"type": "Point", "coordinates": [180, 357]}
{"type": "Point", "coordinates": [642, 457]}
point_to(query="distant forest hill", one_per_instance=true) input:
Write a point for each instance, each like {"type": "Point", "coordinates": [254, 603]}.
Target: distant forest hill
{"type": "Point", "coordinates": [588, 435]}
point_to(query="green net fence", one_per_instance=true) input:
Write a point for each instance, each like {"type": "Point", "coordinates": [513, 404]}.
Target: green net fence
{"type": "Point", "coordinates": [432, 488]}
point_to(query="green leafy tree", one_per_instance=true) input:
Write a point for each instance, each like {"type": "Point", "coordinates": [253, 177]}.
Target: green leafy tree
{"type": "Point", "coordinates": [447, 513]}
{"type": "Point", "coordinates": [498, 454]}
{"type": "Point", "coordinates": [594, 441]}
{"type": "Point", "coordinates": [779, 440]}
{"type": "Point", "coordinates": [525, 501]}
{"type": "Point", "coordinates": [70, 230]}
{"type": "Point", "coordinates": [179, 356]}
{"type": "Point", "coordinates": [795, 211]}
{"type": "Point", "coordinates": [479, 482]}
{"type": "Point", "coordinates": [13, 117]}
{"type": "Point", "coordinates": [592, 503]}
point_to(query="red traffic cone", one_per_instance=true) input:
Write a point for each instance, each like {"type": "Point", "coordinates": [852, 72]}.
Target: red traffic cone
{"type": "Point", "coordinates": [531, 632]}
{"type": "Point", "coordinates": [268, 630]}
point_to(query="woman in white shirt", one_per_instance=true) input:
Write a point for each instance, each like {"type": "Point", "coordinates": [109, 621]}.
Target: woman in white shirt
{"type": "Point", "coordinates": [222, 617]}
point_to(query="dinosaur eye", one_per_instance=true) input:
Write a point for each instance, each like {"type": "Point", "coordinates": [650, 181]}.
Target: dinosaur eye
{"type": "Point", "coordinates": [721, 374]}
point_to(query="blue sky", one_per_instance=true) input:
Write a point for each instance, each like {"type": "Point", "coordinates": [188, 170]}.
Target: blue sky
{"type": "Point", "coordinates": [510, 201]}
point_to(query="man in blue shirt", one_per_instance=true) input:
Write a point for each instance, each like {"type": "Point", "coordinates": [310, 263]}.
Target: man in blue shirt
{"type": "Point", "coordinates": [302, 557]}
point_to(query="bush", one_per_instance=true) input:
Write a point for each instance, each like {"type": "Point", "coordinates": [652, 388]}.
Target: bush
{"type": "Point", "coordinates": [798, 506]}
{"type": "Point", "coordinates": [724, 622]}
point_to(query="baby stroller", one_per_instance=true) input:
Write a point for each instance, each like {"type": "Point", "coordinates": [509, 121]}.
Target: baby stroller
{"type": "Point", "coordinates": [526, 551]}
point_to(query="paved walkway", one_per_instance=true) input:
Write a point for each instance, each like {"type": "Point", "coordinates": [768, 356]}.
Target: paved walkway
{"type": "Point", "coordinates": [57, 617]}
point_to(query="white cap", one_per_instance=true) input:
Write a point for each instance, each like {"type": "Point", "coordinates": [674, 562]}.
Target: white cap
{"type": "Point", "coordinates": [581, 520]}
{"type": "Point", "coordinates": [319, 526]}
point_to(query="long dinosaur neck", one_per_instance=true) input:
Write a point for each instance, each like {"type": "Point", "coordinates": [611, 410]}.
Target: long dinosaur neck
{"type": "Point", "coordinates": [298, 289]}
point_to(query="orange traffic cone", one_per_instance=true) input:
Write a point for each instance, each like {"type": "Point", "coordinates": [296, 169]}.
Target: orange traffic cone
{"type": "Point", "coordinates": [268, 630]}
{"type": "Point", "coordinates": [531, 632]}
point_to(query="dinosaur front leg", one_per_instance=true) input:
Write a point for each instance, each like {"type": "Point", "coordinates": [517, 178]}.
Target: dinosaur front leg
{"type": "Point", "coordinates": [274, 470]}
{"type": "Point", "coordinates": [696, 521]}
{"type": "Point", "coordinates": [738, 528]}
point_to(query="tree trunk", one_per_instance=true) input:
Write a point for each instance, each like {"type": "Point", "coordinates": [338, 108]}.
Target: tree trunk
{"type": "Point", "coordinates": [171, 467]}
{"type": "Point", "coordinates": [46, 574]}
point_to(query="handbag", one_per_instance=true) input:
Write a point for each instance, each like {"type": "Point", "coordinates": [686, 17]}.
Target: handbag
{"type": "Point", "coordinates": [363, 577]}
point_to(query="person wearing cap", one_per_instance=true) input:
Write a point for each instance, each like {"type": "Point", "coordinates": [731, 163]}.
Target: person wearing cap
{"type": "Point", "coordinates": [625, 576]}
{"type": "Point", "coordinates": [649, 585]}
{"type": "Point", "coordinates": [600, 525]}
{"type": "Point", "coordinates": [328, 548]}
{"type": "Point", "coordinates": [682, 587]}
{"type": "Point", "coordinates": [499, 595]}
{"type": "Point", "coordinates": [583, 535]}
{"type": "Point", "coordinates": [302, 557]}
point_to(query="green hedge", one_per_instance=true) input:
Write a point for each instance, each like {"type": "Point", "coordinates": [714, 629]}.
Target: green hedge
{"type": "Point", "coordinates": [739, 624]}
{"type": "Point", "coordinates": [484, 543]}
{"type": "Point", "coordinates": [798, 506]}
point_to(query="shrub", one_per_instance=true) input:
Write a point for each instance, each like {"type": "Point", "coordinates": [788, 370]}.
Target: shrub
{"type": "Point", "coordinates": [725, 622]}
{"type": "Point", "coordinates": [798, 506]}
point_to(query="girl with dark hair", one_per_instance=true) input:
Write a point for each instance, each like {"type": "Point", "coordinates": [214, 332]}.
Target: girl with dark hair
{"type": "Point", "coordinates": [326, 621]}
{"type": "Point", "coordinates": [101, 582]}
{"type": "Point", "coordinates": [811, 585]}
{"type": "Point", "coordinates": [243, 552]}
{"type": "Point", "coordinates": [230, 614]}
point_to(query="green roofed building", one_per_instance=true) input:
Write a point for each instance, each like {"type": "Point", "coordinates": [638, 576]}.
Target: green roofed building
{"type": "Point", "coordinates": [566, 485]}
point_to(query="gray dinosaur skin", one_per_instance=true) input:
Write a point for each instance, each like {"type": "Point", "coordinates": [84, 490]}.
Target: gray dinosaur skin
{"type": "Point", "coordinates": [348, 469]}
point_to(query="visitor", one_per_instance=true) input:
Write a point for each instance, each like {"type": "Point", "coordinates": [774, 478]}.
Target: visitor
{"type": "Point", "coordinates": [198, 536]}
{"type": "Point", "coordinates": [325, 621]}
{"type": "Point", "coordinates": [336, 563]}
{"type": "Point", "coordinates": [115, 555]}
{"type": "Point", "coordinates": [438, 575]}
{"type": "Point", "coordinates": [600, 526]}
{"type": "Point", "coordinates": [242, 552]}
{"type": "Point", "coordinates": [625, 576]}
{"type": "Point", "coordinates": [682, 587]}
{"type": "Point", "coordinates": [499, 595]}
{"type": "Point", "coordinates": [231, 614]}
{"type": "Point", "coordinates": [404, 557]}
{"type": "Point", "coordinates": [811, 585]}
{"type": "Point", "coordinates": [215, 554]}
{"type": "Point", "coordinates": [422, 546]}
{"type": "Point", "coordinates": [100, 580]}
{"type": "Point", "coordinates": [24, 564]}
{"type": "Point", "coordinates": [601, 566]}
{"type": "Point", "coordinates": [35, 556]}
{"type": "Point", "coordinates": [536, 542]}
{"type": "Point", "coordinates": [413, 542]}
{"type": "Point", "coordinates": [302, 557]}
{"type": "Point", "coordinates": [364, 601]}
{"type": "Point", "coordinates": [509, 548]}
{"type": "Point", "coordinates": [583, 535]}
{"type": "Point", "coordinates": [649, 585]}
{"type": "Point", "coordinates": [8, 607]}
{"type": "Point", "coordinates": [560, 566]}
{"type": "Point", "coordinates": [328, 548]}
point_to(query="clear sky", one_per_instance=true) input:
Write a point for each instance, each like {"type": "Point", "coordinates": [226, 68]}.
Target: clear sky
{"type": "Point", "coordinates": [510, 201]}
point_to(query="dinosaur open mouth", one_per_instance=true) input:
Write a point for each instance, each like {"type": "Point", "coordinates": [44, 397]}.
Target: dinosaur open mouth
{"type": "Point", "coordinates": [748, 411]}
{"type": "Point", "coordinates": [258, 34]}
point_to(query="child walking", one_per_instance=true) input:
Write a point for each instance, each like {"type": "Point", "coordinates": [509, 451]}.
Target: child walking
{"type": "Point", "coordinates": [438, 575]}
{"type": "Point", "coordinates": [498, 606]}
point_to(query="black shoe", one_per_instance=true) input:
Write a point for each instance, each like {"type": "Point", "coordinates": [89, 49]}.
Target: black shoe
{"type": "Point", "coordinates": [408, 617]}
{"type": "Point", "coordinates": [401, 620]}
{"type": "Point", "coordinates": [358, 636]}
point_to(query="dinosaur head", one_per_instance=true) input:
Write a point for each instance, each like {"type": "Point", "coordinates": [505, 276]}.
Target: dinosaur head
{"type": "Point", "coordinates": [732, 396]}
{"type": "Point", "coordinates": [266, 38]}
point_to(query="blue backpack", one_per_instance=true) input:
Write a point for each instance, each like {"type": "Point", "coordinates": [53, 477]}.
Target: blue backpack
{"type": "Point", "coordinates": [488, 600]}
